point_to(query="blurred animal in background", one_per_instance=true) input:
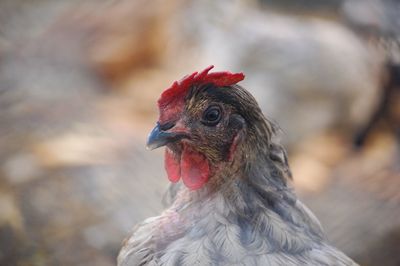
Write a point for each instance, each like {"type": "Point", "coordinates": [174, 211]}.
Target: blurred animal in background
{"type": "Point", "coordinates": [236, 205]}
{"type": "Point", "coordinates": [386, 108]}
{"type": "Point", "coordinates": [378, 22]}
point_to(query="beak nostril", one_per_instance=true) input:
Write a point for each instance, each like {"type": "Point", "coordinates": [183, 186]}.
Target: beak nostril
{"type": "Point", "coordinates": [160, 136]}
{"type": "Point", "coordinates": [167, 126]}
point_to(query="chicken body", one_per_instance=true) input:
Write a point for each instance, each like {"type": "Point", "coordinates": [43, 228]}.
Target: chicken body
{"type": "Point", "coordinates": [237, 207]}
{"type": "Point", "coordinates": [195, 231]}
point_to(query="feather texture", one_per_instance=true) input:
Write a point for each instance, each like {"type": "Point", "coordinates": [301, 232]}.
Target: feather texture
{"type": "Point", "coordinates": [246, 213]}
{"type": "Point", "coordinates": [216, 235]}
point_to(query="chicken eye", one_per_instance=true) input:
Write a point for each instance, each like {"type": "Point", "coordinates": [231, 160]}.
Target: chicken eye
{"type": "Point", "coordinates": [212, 116]}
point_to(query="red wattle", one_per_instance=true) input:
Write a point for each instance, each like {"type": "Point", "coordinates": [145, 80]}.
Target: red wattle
{"type": "Point", "coordinates": [172, 166]}
{"type": "Point", "coordinates": [194, 167]}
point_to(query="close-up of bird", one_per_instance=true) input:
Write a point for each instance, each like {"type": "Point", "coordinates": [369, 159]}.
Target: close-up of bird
{"type": "Point", "coordinates": [235, 204]}
{"type": "Point", "coordinates": [115, 151]}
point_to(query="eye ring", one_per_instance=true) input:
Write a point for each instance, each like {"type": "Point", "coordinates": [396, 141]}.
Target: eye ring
{"type": "Point", "coordinates": [212, 115]}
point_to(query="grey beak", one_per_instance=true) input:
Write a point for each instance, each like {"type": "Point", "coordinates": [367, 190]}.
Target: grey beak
{"type": "Point", "coordinates": [158, 138]}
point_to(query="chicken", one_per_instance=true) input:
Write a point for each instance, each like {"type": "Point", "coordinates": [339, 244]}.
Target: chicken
{"type": "Point", "coordinates": [236, 205]}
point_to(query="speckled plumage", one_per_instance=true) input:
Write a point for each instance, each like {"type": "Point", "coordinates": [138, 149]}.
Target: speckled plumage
{"type": "Point", "coordinates": [247, 213]}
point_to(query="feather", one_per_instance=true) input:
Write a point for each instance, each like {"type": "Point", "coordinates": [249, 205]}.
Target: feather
{"type": "Point", "coordinates": [246, 213]}
{"type": "Point", "coordinates": [197, 253]}
{"type": "Point", "coordinates": [327, 255]}
{"type": "Point", "coordinates": [226, 239]}
{"type": "Point", "coordinates": [173, 254]}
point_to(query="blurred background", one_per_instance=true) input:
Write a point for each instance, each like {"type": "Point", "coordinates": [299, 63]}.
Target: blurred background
{"type": "Point", "coordinates": [79, 82]}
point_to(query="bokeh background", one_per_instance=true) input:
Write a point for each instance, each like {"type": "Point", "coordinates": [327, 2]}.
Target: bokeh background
{"type": "Point", "coordinates": [79, 82]}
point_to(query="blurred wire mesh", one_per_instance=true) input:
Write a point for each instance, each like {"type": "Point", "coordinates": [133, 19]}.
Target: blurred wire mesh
{"type": "Point", "coordinates": [78, 86]}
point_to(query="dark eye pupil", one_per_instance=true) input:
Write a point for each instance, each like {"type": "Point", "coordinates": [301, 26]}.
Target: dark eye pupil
{"type": "Point", "coordinates": [212, 115]}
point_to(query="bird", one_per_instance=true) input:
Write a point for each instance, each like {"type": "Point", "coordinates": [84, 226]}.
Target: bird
{"type": "Point", "coordinates": [235, 204]}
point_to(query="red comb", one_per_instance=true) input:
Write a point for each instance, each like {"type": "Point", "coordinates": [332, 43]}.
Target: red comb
{"type": "Point", "coordinates": [171, 102]}
{"type": "Point", "coordinates": [179, 89]}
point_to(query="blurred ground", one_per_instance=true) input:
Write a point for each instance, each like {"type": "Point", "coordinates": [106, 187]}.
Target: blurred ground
{"type": "Point", "coordinates": [78, 86]}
